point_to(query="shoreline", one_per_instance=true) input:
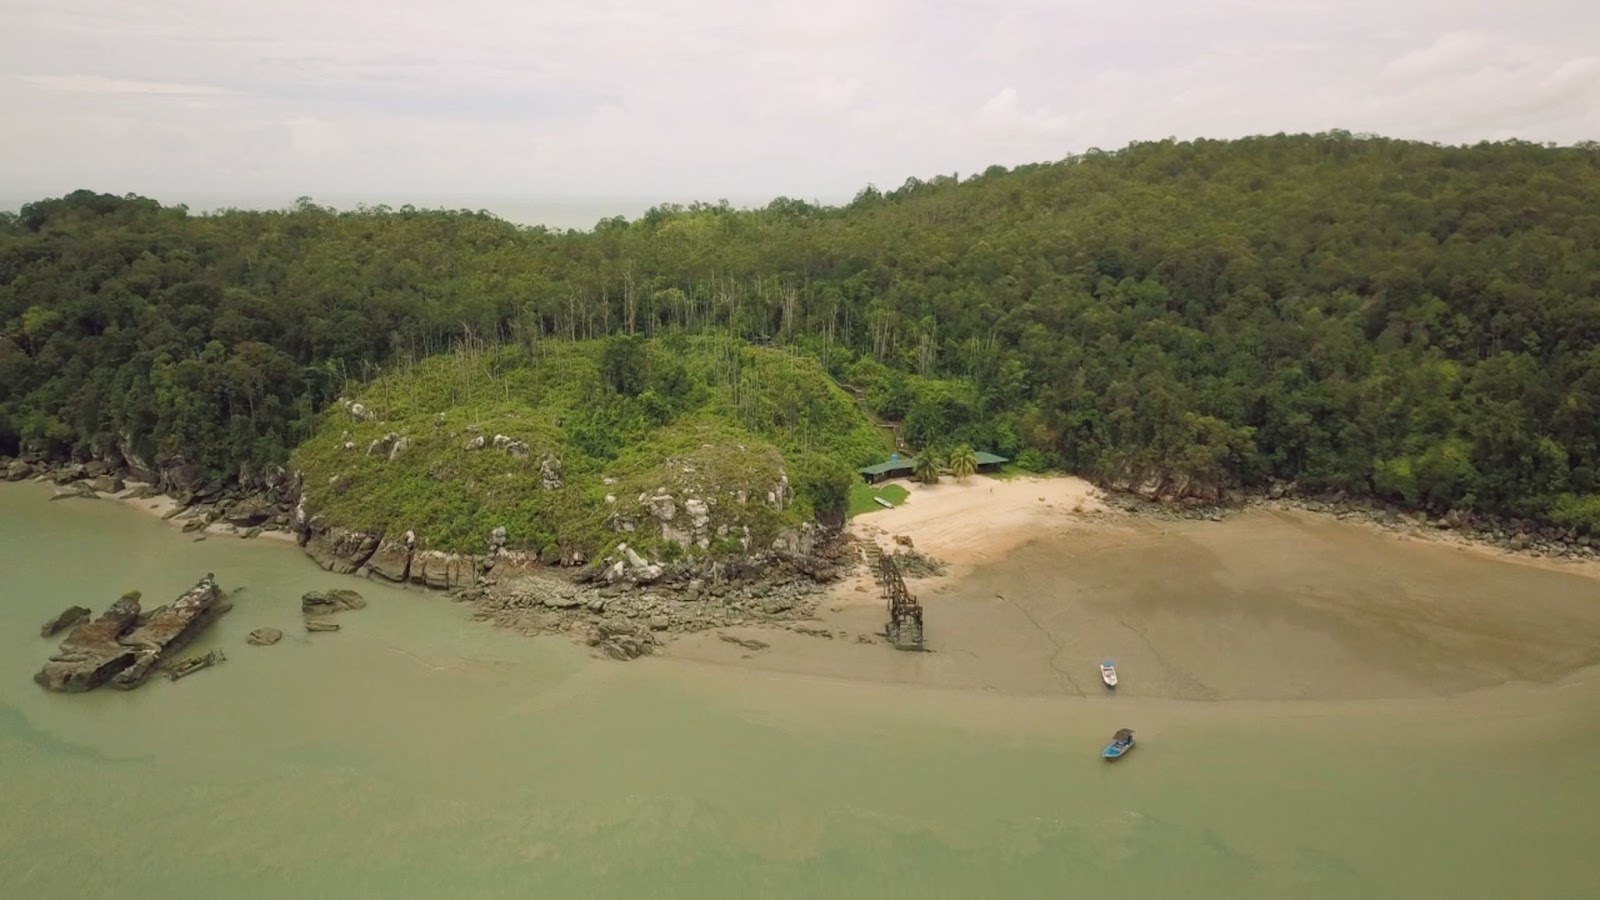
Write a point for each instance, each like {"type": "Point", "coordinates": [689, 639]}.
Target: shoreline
{"type": "Point", "coordinates": [1012, 604]}
{"type": "Point", "coordinates": [1030, 601]}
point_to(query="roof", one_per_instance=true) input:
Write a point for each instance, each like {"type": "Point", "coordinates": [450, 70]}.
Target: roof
{"type": "Point", "coordinates": [906, 465]}
{"type": "Point", "coordinates": [895, 465]}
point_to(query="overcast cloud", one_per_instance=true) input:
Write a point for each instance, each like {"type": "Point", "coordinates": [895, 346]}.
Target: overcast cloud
{"type": "Point", "coordinates": [741, 98]}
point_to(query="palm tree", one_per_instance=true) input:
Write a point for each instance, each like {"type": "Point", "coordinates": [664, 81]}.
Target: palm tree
{"type": "Point", "coordinates": [963, 462]}
{"type": "Point", "coordinates": [925, 467]}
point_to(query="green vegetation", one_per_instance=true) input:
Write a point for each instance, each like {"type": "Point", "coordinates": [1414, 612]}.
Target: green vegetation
{"type": "Point", "coordinates": [624, 417]}
{"type": "Point", "coordinates": [864, 497]}
{"type": "Point", "coordinates": [1354, 314]}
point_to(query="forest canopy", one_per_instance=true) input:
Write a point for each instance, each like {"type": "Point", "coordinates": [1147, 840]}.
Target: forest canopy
{"type": "Point", "coordinates": [1416, 322]}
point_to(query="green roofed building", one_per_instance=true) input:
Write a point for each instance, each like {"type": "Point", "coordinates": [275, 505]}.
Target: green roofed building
{"type": "Point", "coordinates": [898, 466]}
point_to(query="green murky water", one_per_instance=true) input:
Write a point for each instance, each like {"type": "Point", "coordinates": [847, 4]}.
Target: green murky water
{"type": "Point", "coordinates": [419, 754]}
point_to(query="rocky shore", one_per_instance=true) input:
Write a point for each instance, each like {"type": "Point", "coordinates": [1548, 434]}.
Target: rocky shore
{"type": "Point", "coordinates": [622, 604]}
{"type": "Point", "coordinates": [1515, 536]}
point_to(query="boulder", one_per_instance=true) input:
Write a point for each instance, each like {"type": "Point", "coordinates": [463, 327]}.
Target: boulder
{"type": "Point", "coordinates": [319, 625]}
{"type": "Point", "coordinates": [265, 637]}
{"type": "Point", "coordinates": [69, 473]}
{"type": "Point", "coordinates": [177, 476]}
{"type": "Point", "coordinates": [249, 512]}
{"type": "Point", "coordinates": [324, 603]}
{"type": "Point", "coordinates": [70, 617]}
{"type": "Point", "coordinates": [18, 470]}
{"type": "Point", "coordinates": [107, 484]}
{"type": "Point", "coordinates": [550, 473]}
{"type": "Point", "coordinates": [391, 561]}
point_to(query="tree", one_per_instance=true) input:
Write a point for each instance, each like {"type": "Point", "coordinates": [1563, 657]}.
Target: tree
{"type": "Point", "coordinates": [925, 467]}
{"type": "Point", "coordinates": [963, 462]}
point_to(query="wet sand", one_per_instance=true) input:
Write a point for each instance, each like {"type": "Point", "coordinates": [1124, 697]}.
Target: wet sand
{"type": "Point", "coordinates": [1266, 605]}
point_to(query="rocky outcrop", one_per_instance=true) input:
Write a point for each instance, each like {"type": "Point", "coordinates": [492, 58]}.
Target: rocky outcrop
{"type": "Point", "coordinates": [1160, 485]}
{"type": "Point", "coordinates": [18, 469]}
{"type": "Point", "coordinates": [339, 550]}
{"type": "Point", "coordinates": [389, 446]}
{"type": "Point", "coordinates": [123, 645]}
{"type": "Point", "coordinates": [437, 569]}
{"type": "Point", "coordinates": [179, 477]}
{"type": "Point", "coordinates": [170, 629]}
{"type": "Point", "coordinates": [392, 560]}
{"type": "Point", "coordinates": [264, 637]}
{"type": "Point", "coordinates": [70, 617]}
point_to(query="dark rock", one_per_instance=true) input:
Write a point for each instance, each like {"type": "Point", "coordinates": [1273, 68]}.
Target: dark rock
{"type": "Point", "coordinates": [107, 484]}
{"type": "Point", "coordinates": [746, 643]}
{"type": "Point", "coordinates": [69, 618]}
{"type": "Point", "coordinates": [17, 470]}
{"type": "Point", "coordinates": [81, 489]}
{"type": "Point", "coordinates": [265, 637]}
{"type": "Point", "coordinates": [249, 512]}
{"type": "Point", "coordinates": [194, 524]}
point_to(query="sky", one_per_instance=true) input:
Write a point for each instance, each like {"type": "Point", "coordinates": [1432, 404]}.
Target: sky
{"type": "Point", "coordinates": [739, 98]}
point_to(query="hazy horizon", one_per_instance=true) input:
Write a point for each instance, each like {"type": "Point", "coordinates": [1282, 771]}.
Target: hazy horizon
{"type": "Point", "coordinates": [703, 99]}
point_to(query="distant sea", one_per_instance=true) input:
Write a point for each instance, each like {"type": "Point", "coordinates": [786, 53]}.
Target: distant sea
{"type": "Point", "coordinates": [551, 212]}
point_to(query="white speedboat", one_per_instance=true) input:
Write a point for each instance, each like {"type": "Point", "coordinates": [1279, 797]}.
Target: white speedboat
{"type": "Point", "coordinates": [1108, 673]}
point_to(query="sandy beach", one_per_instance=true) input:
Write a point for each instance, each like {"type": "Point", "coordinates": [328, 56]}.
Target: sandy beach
{"type": "Point", "coordinates": [1044, 582]}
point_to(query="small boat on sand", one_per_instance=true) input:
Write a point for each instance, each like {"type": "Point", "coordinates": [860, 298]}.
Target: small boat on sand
{"type": "Point", "coordinates": [1121, 743]}
{"type": "Point", "coordinates": [1108, 673]}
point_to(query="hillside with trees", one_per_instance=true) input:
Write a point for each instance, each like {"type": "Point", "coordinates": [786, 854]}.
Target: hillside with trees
{"type": "Point", "coordinates": [1372, 316]}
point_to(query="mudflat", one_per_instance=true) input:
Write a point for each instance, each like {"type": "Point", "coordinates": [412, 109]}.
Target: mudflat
{"type": "Point", "coordinates": [1043, 582]}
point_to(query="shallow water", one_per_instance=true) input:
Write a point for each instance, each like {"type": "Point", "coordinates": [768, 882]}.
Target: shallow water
{"type": "Point", "coordinates": [417, 753]}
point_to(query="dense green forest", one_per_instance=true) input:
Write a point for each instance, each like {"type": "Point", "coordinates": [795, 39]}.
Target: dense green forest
{"type": "Point", "coordinates": [1359, 314]}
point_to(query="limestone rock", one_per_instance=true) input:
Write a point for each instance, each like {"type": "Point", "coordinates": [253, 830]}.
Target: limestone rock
{"type": "Point", "coordinates": [550, 473]}
{"type": "Point", "coordinates": [249, 512]}
{"type": "Point", "coordinates": [323, 603]}
{"type": "Point", "coordinates": [107, 484]}
{"type": "Point", "coordinates": [265, 637]}
{"type": "Point", "coordinates": [340, 550]}
{"type": "Point", "coordinates": [391, 561]}
{"type": "Point", "coordinates": [319, 625]}
{"type": "Point", "coordinates": [122, 646]}
{"type": "Point", "coordinates": [437, 569]}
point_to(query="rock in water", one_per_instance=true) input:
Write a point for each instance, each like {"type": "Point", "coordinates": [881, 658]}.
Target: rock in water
{"type": "Point", "coordinates": [326, 603]}
{"type": "Point", "coordinates": [70, 617]}
{"type": "Point", "coordinates": [121, 649]}
{"type": "Point", "coordinates": [91, 655]}
{"type": "Point", "coordinates": [171, 629]}
{"type": "Point", "coordinates": [318, 625]}
{"type": "Point", "coordinates": [265, 637]}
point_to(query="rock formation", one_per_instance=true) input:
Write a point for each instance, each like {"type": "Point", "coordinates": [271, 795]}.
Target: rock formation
{"type": "Point", "coordinates": [124, 645]}
{"type": "Point", "coordinates": [69, 617]}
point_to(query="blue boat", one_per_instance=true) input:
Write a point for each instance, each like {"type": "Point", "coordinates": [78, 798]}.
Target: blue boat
{"type": "Point", "coordinates": [1121, 743]}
